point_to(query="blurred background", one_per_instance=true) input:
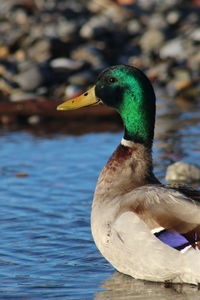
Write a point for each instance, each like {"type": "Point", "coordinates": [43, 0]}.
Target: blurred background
{"type": "Point", "coordinates": [50, 49]}
{"type": "Point", "coordinates": [50, 160]}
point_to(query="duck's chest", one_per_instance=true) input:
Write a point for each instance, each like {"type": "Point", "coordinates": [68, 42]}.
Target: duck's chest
{"type": "Point", "coordinates": [127, 169]}
{"type": "Point", "coordinates": [102, 220]}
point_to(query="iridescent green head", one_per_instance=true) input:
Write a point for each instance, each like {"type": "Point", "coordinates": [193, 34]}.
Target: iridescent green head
{"type": "Point", "coordinates": [127, 90]}
{"type": "Point", "coordinates": [130, 92]}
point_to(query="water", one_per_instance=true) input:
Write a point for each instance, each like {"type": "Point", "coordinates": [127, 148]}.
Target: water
{"type": "Point", "coordinates": [47, 184]}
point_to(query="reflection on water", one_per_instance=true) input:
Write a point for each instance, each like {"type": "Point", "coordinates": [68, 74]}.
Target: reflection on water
{"type": "Point", "coordinates": [122, 287]}
{"type": "Point", "coordinates": [46, 248]}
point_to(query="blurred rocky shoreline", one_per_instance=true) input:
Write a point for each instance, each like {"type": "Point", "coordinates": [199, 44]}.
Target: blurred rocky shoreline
{"type": "Point", "coordinates": [56, 48]}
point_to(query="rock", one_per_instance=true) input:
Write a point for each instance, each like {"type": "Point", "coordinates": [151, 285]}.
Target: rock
{"type": "Point", "coordinates": [116, 14]}
{"type": "Point", "coordinates": [66, 63]}
{"type": "Point", "coordinates": [158, 72]}
{"type": "Point", "coordinates": [182, 171]}
{"type": "Point", "coordinates": [156, 21]}
{"type": "Point", "coordinates": [4, 51]}
{"type": "Point", "coordinates": [20, 16]}
{"type": "Point", "coordinates": [90, 55]}
{"type": "Point", "coordinates": [96, 26]}
{"type": "Point", "coordinates": [34, 119]}
{"type": "Point", "coordinates": [173, 17]}
{"type": "Point", "coordinates": [81, 78]}
{"type": "Point", "coordinates": [30, 79]}
{"type": "Point", "coordinates": [160, 5]}
{"type": "Point", "coordinates": [173, 48]}
{"type": "Point", "coordinates": [66, 29]}
{"type": "Point", "coordinates": [19, 96]}
{"type": "Point", "coordinates": [150, 35]}
{"type": "Point", "coordinates": [195, 35]}
{"type": "Point", "coordinates": [39, 51]}
{"type": "Point", "coordinates": [72, 91]}
{"type": "Point", "coordinates": [133, 26]}
{"type": "Point", "coordinates": [181, 79]}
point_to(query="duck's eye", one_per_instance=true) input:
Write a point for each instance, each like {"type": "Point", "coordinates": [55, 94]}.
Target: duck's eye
{"type": "Point", "coordinates": [111, 79]}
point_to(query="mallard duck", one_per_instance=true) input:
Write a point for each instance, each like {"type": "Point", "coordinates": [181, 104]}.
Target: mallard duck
{"type": "Point", "coordinates": [145, 229]}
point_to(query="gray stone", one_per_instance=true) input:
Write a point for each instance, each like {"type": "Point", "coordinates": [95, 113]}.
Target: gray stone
{"type": "Point", "coordinates": [72, 90]}
{"type": "Point", "coordinates": [195, 35]}
{"type": "Point", "coordinates": [88, 54]}
{"type": "Point", "coordinates": [66, 29]}
{"type": "Point", "coordinates": [19, 96]}
{"type": "Point", "coordinates": [34, 119]}
{"type": "Point", "coordinates": [172, 49]}
{"type": "Point", "coordinates": [66, 63]}
{"type": "Point", "coordinates": [173, 17]}
{"type": "Point", "coordinates": [39, 51]}
{"type": "Point", "coordinates": [133, 26]}
{"type": "Point", "coordinates": [95, 26]}
{"type": "Point", "coordinates": [152, 39]}
{"type": "Point", "coordinates": [157, 21]}
{"type": "Point", "coordinates": [30, 79]}
{"type": "Point", "coordinates": [182, 171]}
{"type": "Point", "coordinates": [80, 78]}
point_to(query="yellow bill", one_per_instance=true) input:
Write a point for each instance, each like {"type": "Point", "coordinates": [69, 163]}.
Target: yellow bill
{"type": "Point", "coordinates": [86, 99]}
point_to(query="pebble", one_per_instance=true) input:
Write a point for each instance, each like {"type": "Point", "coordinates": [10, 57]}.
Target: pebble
{"type": "Point", "coordinates": [19, 96]}
{"type": "Point", "coordinates": [150, 35]}
{"type": "Point", "coordinates": [195, 35]}
{"type": "Point", "coordinates": [88, 54]}
{"type": "Point", "coordinates": [172, 49]}
{"type": "Point", "coordinates": [33, 120]}
{"type": "Point", "coordinates": [183, 172]}
{"type": "Point", "coordinates": [30, 79]}
{"type": "Point", "coordinates": [72, 91]}
{"type": "Point", "coordinates": [39, 51]}
{"type": "Point", "coordinates": [81, 78]}
{"type": "Point", "coordinates": [96, 26]}
{"type": "Point", "coordinates": [66, 63]}
{"type": "Point", "coordinates": [173, 17]}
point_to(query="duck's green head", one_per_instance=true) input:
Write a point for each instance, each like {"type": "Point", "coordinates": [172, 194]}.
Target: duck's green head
{"type": "Point", "coordinates": [127, 90]}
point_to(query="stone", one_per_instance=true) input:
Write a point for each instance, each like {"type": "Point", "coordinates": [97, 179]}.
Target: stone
{"type": "Point", "coordinates": [39, 51]}
{"type": "Point", "coordinates": [20, 17]}
{"type": "Point", "coordinates": [66, 29]}
{"type": "Point", "coordinates": [156, 21]}
{"type": "Point", "coordinates": [180, 79]}
{"type": "Point", "coordinates": [96, 26]}
{"type": "Point", "coordinates": [195, 35]}
{"type": "Point", "coordinates": [80, 78]}
{"type": "Point", "coordinates": [30, 79]}
{"type": "Point", "coordinates": [173, 17]}
{"type": "Point", "coordinates": [73, 90]}
{"type": "Point", "coordinates": [34, 120]}
{"type": "Point", "coordinates": [88, 54]}
{"type": "Point", "coordinates": [66, 63]}
{"type": "Point", "coordinates": [172, 48]}
{"type": "Point", "coordinates": [182, 171]}
{"type": "Point", "coordinates": [133, 27]}
{"type": "Point", "coordinates": [19, 96]}
{"type": "Point", "coordinates": [4, 51]}
{"type": "Point", "coordinates": [150, 35]}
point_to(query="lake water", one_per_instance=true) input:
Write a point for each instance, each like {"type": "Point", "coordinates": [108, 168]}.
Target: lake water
{"type": "Point", "coordinates": [47, 184]}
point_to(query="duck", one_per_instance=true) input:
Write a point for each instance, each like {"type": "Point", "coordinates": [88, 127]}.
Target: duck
{"type": "Point", "coordinates": [145, 229]}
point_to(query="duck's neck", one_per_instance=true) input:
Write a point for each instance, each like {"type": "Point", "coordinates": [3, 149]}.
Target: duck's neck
{"type": "Point", "coordinates": [139, 129]}
{"type": "Point", "coordinates": [138, 113]}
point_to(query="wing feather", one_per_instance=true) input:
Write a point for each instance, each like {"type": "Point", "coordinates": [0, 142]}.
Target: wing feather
{"type": "Point", "coordinates": [173, 207]}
